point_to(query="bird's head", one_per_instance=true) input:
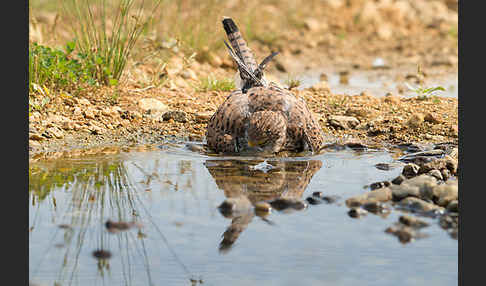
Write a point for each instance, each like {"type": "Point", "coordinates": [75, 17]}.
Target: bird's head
{"type": "Point", "coordinates": [267, 131]}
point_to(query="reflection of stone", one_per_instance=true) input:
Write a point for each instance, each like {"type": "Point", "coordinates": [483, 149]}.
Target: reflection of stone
{"type": "Point", "coordinates": [245, 187]}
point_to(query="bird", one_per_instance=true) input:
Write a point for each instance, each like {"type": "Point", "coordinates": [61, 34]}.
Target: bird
{"type": "Point", "coordinates": [259, 115]}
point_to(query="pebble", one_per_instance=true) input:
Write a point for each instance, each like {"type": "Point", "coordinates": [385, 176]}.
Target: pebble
{"type": "Point", "coordinates": [410, 170]}
{"type": "Point", "coordinates": [418, 205]}
{"type": "Point", "coordinates": [313, 201]}
{"type": "Point", "coordinates": [453, 206]}
{"type": "Point", "coordinates": [357, 212]}
{"type": "Point", "coordinates": [330, 199]}
{"type": "Point", "coordinates": [317, 194]}
{"type": "Point", "coordinates": [379, 185]}
{"type": "Point", "coordinates": [380, 195]}
{"type": "Point", "coordinates": [420, 187]}
{"type": "Point", "coordinates": [398, 180]}
{"type": "Point", "coordinates": [176, 115]}
{"type": "Point", "coordinates": [376, 207]}
{"type": "Point", "coordinates": [415, 121]}
{"type": "Point", "coordinates": [404, 234]}
{"type": "Point", "coordinates": [446, 193]}
{"type": "Point", "coordinates": [429, 117]}
{"type": "Point", "coordinates": [343, 122]}
{"type": "Point", "coordinates": [436, 174]}
{"type": "Point", "coordinates": [412, 222]}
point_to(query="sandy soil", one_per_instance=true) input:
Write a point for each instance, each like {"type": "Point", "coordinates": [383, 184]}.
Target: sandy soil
{"type": "Point", "coordinates": [341, 38]}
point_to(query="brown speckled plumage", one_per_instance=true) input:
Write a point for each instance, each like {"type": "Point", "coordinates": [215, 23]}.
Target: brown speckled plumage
{"type": "Point", "coordinates": [271, 117]}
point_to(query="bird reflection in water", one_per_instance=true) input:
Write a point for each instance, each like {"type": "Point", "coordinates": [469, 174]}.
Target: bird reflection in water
{"type": "Point", "coordinates": [251, 192]}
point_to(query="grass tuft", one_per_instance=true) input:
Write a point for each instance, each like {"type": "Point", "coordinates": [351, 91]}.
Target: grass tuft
{"type": "Point", "coordinates": [106, 34]}
{"type": "Point", "coordinates": [211, 84]}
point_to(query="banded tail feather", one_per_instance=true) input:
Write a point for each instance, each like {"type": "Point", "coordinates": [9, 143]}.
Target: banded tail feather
{"type": "Point", "coordinates": [239, 44]}
{"type": "Point", "coordinates": [250, 73]}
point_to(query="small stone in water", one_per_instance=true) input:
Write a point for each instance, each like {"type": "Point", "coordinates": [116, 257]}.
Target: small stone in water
{"type": "Point", "coordinates": [317, 194]}
{"type": "Point", "coordinates": [101, 254]}
{"type": "Point", "coordinates": [398, 180]}
{"type": "Point", "coordinates": [357, 212]}
{"type": "Point", "coordinates": [313, 201]}
{"type": "Point", "coordinates": [330, 199]}
{"type": "Point", "coordinates": [412, 222]}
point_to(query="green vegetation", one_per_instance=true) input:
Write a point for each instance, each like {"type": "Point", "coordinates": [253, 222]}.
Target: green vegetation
{"type": "Point", "coordinates": [103, 50]}
{"type": "Point", "coordinates": [54, 68]}
{"type": "Point", "coordinates": [292, 82]}
{"type": "Point", "coordinates": [424, 93]}
{"type": "Point", "coordinates": [209, 84]}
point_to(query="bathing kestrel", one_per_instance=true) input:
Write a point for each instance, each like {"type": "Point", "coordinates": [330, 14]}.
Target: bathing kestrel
{"type": "Point", "coordinates": [259, 115]}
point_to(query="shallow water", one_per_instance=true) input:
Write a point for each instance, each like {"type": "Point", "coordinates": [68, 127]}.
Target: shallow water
{"type": "Point", "coordinates": [377, 82]}
{"type": "Point", "coordinates": [174, 193]}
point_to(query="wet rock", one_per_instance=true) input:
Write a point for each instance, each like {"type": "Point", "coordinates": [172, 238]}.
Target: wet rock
{"type": "Point", "coordinates": [357, 212]}
{"type": "Point", "coordinates": [398, 180]}
{"type": "Point", "coordinates": [313, 201]}
{"type": "Point", "coordinates": [446, 193]}
{"type": "Point", "coordinates": [176, 115]}
{"type": "Point", "coordinates": [417, 205]}
{"type": "Point", "coordinates": [195, 148]}
{"type": "Point", "coordinates": [436, 174]}
{"type": "Point", "coordinates": [449, 221]}
{"type": "Point", "coordinates": [446, 174]}
{"type": "Point", "coordinates": [410, 170]}
{"type": "Point", "coordinates": [376, 207]}
{"type": "Point", "coordinates": [453, 206]}
{"type": "Point", "coordinates": [419, 187]}
{"type": "Point", "coordinates": [380, 195]}
{"type": "Point", "coordinates": [412, 222]}
{"type": "Point", "coordinates": [343, 122]}
{"type": "Point", "coordinates": [318, 194]}
{"type": "Point", "coordinates": [379, 185]}
{"type": "Point", "coordinates": [384, 166]}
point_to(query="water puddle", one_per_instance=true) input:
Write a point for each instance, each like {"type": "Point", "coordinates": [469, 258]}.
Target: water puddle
{"type": "Point", "coordinates": [172, 232]}
{"type": "Point", "coordinates": [377, 82]}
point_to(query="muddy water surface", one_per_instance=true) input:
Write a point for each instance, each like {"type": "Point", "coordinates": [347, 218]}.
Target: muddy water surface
{"type": "Point", "coordinates": [180, 238]}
